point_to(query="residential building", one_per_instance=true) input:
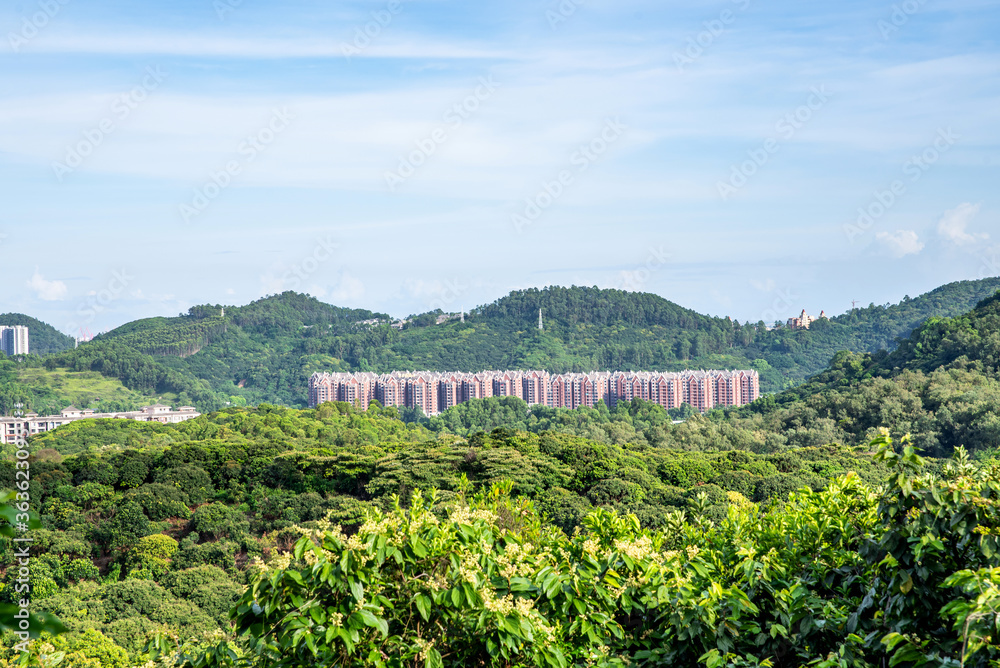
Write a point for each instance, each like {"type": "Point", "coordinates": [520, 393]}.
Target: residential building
{"type": "Point", "coordinates": [18, 427]}
{"type": "Point", "coordinates": [434, 391]}
{"type": "Point", "coordinates": [804, 320]}
{"type": "Point", "coordinates": [14, 340]}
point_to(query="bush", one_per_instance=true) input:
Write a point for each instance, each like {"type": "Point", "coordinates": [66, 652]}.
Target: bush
{"type": "Point", "coordinates": [216, 520]}
{"type": "Point", "coordinates": [127, 526]}
{"type": "Point", "coordinates": [82, 569]}
{"type": "Point", "coordinates": [193, 480]}
{"type": "Point", "coordinates": [208, 587]}
{"type": "Point", "coordinates": [161, 501]}
{"type": "Point", "coordinates": [151, 554]}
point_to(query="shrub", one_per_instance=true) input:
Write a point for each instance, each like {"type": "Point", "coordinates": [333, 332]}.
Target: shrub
{"type": "Point", "coordinates": [191, 479]}
{"type": "Point", "coordinates": [216, 520]}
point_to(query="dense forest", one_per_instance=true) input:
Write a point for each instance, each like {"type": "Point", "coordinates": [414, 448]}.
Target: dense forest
{"type": "Point", "coordinates": [850, 521]}
{"type": "Point", "coordinates": [264, 352]}
{"type": "Point", "coordinates": [942, 384]}
{"type": "Point", "coordinates": [44, 339]}
{"type": "Point", "coordinates": [146, 527]}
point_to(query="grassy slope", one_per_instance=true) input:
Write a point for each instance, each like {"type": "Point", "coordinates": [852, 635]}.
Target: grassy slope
{"type": "Point", "coordinates": [81, 388]}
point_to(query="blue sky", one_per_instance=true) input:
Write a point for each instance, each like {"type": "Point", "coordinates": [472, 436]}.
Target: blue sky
{"type": "Point", "coordinates": [159, 155]}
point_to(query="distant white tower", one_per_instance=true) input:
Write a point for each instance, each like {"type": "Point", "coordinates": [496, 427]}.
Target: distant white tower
{"type": "Point", "coordinates": [541, 327]}
{"type": "Point", "coordinates": [463, 316]}
{"type": "Point", "coordinates": [223, 314]}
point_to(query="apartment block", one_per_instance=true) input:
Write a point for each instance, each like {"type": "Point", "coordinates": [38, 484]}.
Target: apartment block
{"type": "Point", "coordinates": [15, 428]}
{"type": "Point", "coordinates": [14, 340]}
{"type": "Point", "coordinates": [804, 320]}
{"type": "Point", "coordinates": [434, 392]}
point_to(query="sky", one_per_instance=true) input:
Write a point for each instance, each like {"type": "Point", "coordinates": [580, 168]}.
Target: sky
{"type": "Point", "coordinates": [736, 157]}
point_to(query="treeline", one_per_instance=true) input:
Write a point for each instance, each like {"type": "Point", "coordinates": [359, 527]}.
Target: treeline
{"type": "Point", "coordinates": [900, 574]}
{"type": "Point", "coordinates": [265, 351]}
{"type": "Point", "coordinates": [43, 339]}
{"type": "Point", "coordinates": [147, 527]}
{"type": "Point", "coordinates": [942, 385]}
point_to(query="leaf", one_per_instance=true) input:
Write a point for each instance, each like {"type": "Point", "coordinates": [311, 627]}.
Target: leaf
{"type": "Point", "coordinates": [369, 618]}
{"type": "Point", "coordinates": [357, 590]}
{"type": "Point", "coordinates": [907, 585]}
{"type": "Point", "coordinates": [424, 606]}
{"type": "Point", "coordinates": [419, 548]}
{"type": "Point", "coordinates": [432, 659]}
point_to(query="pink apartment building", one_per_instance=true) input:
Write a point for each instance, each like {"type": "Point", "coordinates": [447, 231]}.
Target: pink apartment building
{"type": "Point", "coordinates": [435, 392]}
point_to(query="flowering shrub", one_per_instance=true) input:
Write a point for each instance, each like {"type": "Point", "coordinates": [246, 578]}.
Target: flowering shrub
{"type": "Point", "coordinates": [851, 576]}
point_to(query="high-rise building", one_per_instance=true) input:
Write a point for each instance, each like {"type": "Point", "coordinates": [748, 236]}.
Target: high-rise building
{"type": "Point", "coordinates": [14, 339]}
{"type": "Point", "coordinates": [434, 392]}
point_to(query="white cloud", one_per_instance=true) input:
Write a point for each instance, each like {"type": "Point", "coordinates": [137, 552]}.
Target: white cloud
{"type": "Point", "coordinates": [901, 242]}
{"type": "Point", "coordinates": [954, 221]}
{"type": "Point", "coordinates": [48, 291]}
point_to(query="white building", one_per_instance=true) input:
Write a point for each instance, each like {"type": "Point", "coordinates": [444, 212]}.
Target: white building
{"type": "Point", "coordinates": [14, 339]}
{"type": "Point", "coordinates": [20, 427]}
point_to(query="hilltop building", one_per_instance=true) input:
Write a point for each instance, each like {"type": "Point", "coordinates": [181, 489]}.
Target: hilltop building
{"type": "Point", "coordinates": [16, 427]}
{"type": "Point", "coordinates": [435, 391]}
{"type": "Point", "coordinates": [804, 320]}
{"type": "Point", "coordinates": [14, 339]}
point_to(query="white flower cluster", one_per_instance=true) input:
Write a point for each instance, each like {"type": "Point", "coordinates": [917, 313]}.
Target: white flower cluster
{"type": "Point", "coordinates": [423, 647]}
{"type": "Point", "coordinates": [503, 606]}
{"type": "Point", "coordinates": [386, 526]}
{"type": "Point", "coordinates": [462, 515]}
{"type": "Point", "coordinates": [469, 571]}
{"type": "Point", "coordinates": [637, 550]}
{"type": "Point", "coordinates": [513, 561]}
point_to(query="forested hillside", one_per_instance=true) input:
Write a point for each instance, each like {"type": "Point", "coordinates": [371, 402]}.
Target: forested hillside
{"type": "Point", "coordinates": [942, 385]}
{"type": "Point", "coordinates": [150, 527]}
{"type": "Point", "coordinates": [43, 339]}
{"type": "Point", "coordinates": [495, 535]}
{"type": "Point", "coordinates": [334, 537]}
{"type": "Point", "coordinates": [265, 351]}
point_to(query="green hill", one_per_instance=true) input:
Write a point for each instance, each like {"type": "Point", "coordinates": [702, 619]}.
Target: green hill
{"type": "Point", "coordinates": [266, 350]}
{"type": "Point", "coordinates": [43, 339]}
